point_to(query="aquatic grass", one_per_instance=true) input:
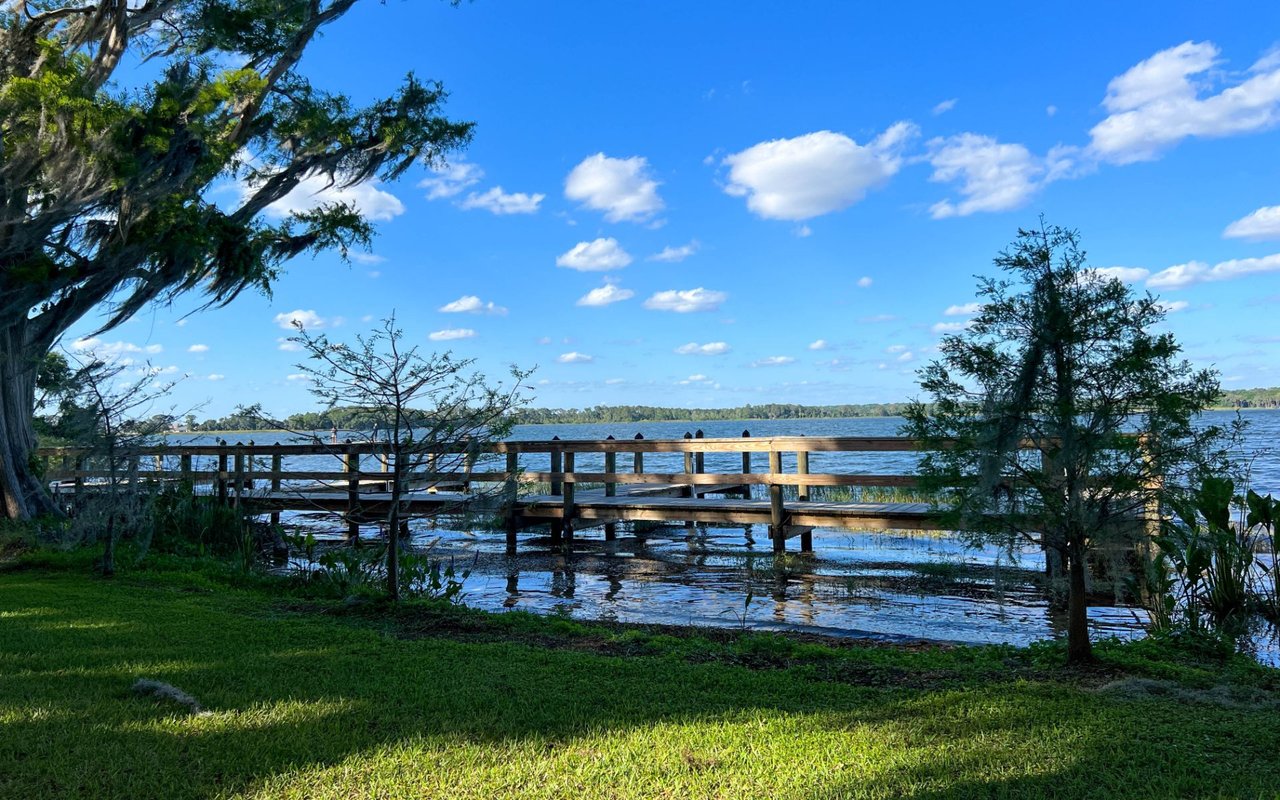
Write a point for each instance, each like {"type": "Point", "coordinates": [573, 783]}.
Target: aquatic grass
{"type": "Point", "coordinates": [426, 700]}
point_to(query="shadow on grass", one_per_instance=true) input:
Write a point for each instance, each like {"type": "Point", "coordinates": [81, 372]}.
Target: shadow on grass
{"type": "Point", "coordinates": [303, 705]}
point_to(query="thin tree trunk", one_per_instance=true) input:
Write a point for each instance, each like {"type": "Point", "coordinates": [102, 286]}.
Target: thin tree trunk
{"type": "Point", "coordinates": [1079, 648]}
{"type": "Point", "coordinates": [393, 529]}
{"type": "Point", "coordinates": [22, 493]}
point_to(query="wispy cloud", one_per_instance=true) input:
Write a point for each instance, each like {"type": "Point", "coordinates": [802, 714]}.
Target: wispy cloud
{"type": "Point", "coordinates": [683, 301]}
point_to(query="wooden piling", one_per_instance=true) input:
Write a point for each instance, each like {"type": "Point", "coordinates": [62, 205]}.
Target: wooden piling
{"type": "Point", "coordinates": [639, 458]}
{"type": "Point", "coordinates": [220, 485]}
{"type": "Point", "coordinates": [699, 458]}
{"type": "Point", "coordinates": [556, 466]}
{"type": "Point", "coordinates": [568, 494]}
{"type": "Point", "coordinates": [688, 465]}
{"type": "Point", "coordinates": [611, 467]}
{"type": "Point", "coordinates": [777, 514]}
{"type": "Point", "coordinates": [277, 464]}
{"type": "Point", "coordinates": [351, 466]}
{"type": "Point", "coordinates": [802, 468]}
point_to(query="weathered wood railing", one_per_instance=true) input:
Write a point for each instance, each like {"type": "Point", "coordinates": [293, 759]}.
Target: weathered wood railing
{"type": "Point", "coordinates": [262, 475]}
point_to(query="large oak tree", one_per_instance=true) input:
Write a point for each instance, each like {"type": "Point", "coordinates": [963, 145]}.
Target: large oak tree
{"type": "Point", "coordinates": [104, 186]}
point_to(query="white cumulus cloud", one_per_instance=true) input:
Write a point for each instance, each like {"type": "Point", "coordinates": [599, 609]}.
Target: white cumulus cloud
{"type": "Point", "coordinates": [708, 349]}
{"type": "Point", "coordinates": [1170, 96]}
{"type": "Point", "coordinates": [451, 180]}
{"type": "Point", "coordinates": [215, 376]}
{"type": "Point", "coordinates": [965, 310]}
{"type": "Point", "coordinates": [499, 202]}
{"type": "Point", "coordinates": [683, 301]}
{"type": "Point", "coordinates": [470, 304]}
{"type": "Point", "coordinates": [114, 350]}
{"type": "Point", "coordinates": [574, 357]}
{"type": "Point", "coordinates": [450, 334]}
{"type": "Point", "coordinates": [819, 344]}
{"type": "Point", "coordinates": [620, 187]}
{"type": "Point", "coordinates": [1261, 224]}
{"type": "Point", "coordinates": [1126, 274]}
{"type": "Point", "coordinates": [1180, 276]}
{"type": "Point", "coordinates": [944, 106]}
{"type": "Point", "coordinates": [675, 254]}
{"type": "Point", "coordinates": [313, 192]}
{"type": "Point", "coordinates": [604, 295]}
{"type": "Point", "coordinates": [950, 327]}
{"type": "Point", "coordinates": [306, 317]}
{"type": "Point", "coordinates": [991, 175]}
{"type": "Point", "coordinates": [198, 348]}
{"type": "Point", "coordinates": [773, 361]}
{"type": "Point", "coordinates": [595, 256]}
{"type": "Point", "coordinates": [814, 174]}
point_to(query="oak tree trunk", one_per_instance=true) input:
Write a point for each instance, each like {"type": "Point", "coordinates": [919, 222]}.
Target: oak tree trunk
{"type": "Point", "coordinates": [22, 492]}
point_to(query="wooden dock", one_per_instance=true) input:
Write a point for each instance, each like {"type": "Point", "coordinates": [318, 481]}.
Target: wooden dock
{"type": "Point", "coordinates": [270, 479]}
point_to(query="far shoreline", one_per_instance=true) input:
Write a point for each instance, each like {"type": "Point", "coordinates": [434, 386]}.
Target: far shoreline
{"type": "Point", "coordinates": [237, 431]}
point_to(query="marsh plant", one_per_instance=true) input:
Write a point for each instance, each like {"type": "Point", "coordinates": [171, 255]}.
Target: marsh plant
{"type": "Point", "coordinates": [1206, 573]}
{"type": "Point", "coordinates": [342, 572]}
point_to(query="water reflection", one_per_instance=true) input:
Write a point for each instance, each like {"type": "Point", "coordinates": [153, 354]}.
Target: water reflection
{"type": "Point", "coordinates": [864, 584]}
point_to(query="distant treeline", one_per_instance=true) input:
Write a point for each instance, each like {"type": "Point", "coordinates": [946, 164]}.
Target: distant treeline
{"type": "Point", "coordinates": [612, 414]}
{"type": "Point", "coordinates": [363, 419]}
{"type": "Point", "coordinates": [1251, 398]}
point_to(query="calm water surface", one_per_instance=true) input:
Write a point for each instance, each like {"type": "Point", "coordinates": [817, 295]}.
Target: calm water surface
{"type": "Point", "coordinates": [907, 585]}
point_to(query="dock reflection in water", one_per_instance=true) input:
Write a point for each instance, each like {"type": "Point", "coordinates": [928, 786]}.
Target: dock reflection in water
{"type": "Point", "coordinates": [908, 585]}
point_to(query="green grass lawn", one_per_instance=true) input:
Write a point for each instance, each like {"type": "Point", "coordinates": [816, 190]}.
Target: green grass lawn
{"type": "Point", "coordinates": [324, 701]}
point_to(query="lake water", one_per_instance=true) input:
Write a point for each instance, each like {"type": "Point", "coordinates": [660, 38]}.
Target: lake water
{"type": "Point", "coordinates": [904, 585]}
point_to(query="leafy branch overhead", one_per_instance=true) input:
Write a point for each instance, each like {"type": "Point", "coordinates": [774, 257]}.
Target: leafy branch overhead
{"type": "Point", "coordinates": [105, 185]}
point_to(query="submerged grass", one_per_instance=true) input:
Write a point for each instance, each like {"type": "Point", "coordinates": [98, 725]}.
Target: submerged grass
{"type": "Point", "coordinates": [329, 700]}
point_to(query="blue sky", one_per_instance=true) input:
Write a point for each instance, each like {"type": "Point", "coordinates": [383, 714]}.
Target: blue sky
{"type": "Point", "coordinates": [714, 204]}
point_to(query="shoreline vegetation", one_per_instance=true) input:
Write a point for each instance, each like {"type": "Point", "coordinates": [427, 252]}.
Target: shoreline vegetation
{"type": "Point", "coordinates": [427, 698]}
{"type": "Point", "coordinates": [346, 418]}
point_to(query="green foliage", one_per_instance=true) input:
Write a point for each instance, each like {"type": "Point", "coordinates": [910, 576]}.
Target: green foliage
{"type": "Point", "coordinates": [1263, 515]}
{"type": "Point", "coordinates": [184, 523]}
{"type": "Point", "coordinates": [341, 573]}
{"type": "Point", "coordinates": [1074, 364]}
{"type": "Point", "coordinates": [1211, 560]}
{"type": "Point", "coordinates": [105, 186]}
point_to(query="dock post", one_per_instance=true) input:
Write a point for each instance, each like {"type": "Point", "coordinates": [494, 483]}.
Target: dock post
{"type": "Point", "coordinates": [699, 458]}
{"type": "Point", "coordinates": [688, 465]}
{"type": "Point", "coordinates": [184, 470]}
{"type": "Point", "coordinates": [802, 468]}
{"type": "Point", "coordinates": [568, 494]}
{"type": "Point", "coordinates": [639, 458]}
{"type": "Point", "coordinates": [556, 466]}
{"type": "Point", "coordinates": [351, 466]}
{"type": "Point", "coordinates": [238, 481]}
{"type": "Point", "coordinates": [249, 468]}
{"type": "Point", "coordinates": [746, 467]}
{"type": "Point", "coordinates": [277, 463]}
{"type": "Point", "coordinates": [777, 514]}
{"type": "Point", "coordinates": [610, 466]}
{"type": "Point", "coordinates": [223, 475]}
{"type": "Point", "coordinates": [510, 491]}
